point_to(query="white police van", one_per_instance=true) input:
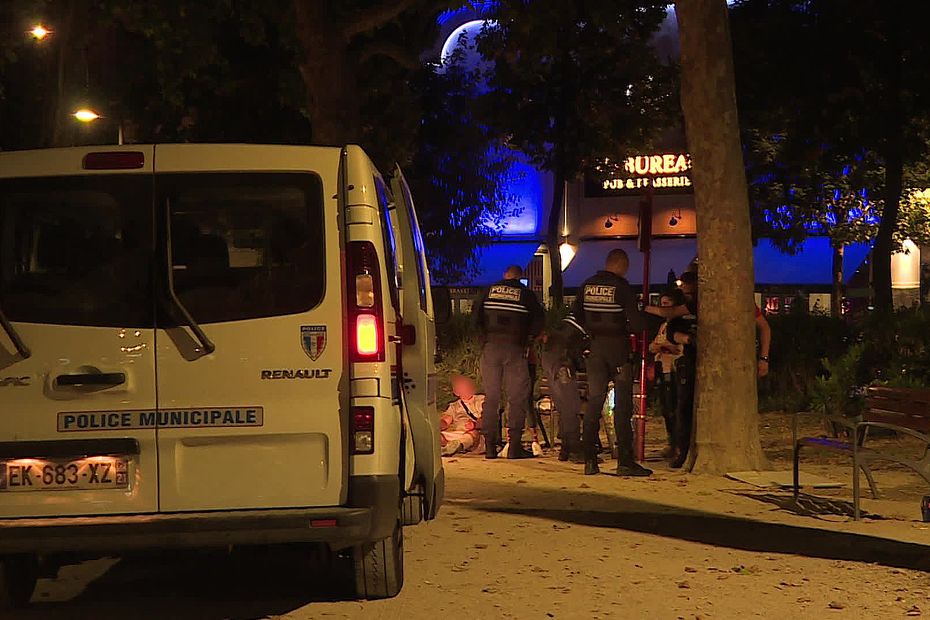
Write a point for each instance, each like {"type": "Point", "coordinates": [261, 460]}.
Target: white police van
{"type": "Point", "coordinates": [212, 345]}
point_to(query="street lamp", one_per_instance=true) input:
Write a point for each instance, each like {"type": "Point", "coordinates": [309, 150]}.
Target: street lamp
{"type": "Point", "coordinates": [86, 116]}
{"type": "Point", "coordinates": [566, 253]}
{"type": "Point", "coordinates": [39, 32]}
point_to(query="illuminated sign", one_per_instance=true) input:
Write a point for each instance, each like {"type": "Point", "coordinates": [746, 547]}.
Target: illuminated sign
{"type": "Point", "coordinates": [666, 173]}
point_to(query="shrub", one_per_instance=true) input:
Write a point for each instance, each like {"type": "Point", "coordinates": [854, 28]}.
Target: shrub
{"type": "Point", "coordinates": [897, 348]}
{"type": "Point", "coordinates": [459, 354]}
{"type": "Point", "coordinates": [838, 392]}
{"type": "Point", "coordinates": [800, 344]}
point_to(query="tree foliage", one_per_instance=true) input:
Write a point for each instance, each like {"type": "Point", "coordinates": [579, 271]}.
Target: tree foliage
{"type": "Point", "coordinates": [178, 70]}
{"type": "Point", "coordinates": [573, 83]}
{"type": "Point", "coordinates": [251, 71]}
{"type": "Point", "coordinates": [827, 86]}
{"type": "Point", "coordinates": [461, 171]}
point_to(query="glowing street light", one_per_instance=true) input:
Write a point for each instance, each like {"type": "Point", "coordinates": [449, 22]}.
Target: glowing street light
{"type": "Point", "coordinates": [40, 32]}
{"type": "Point", "coordinates": [86, 115]}
{"type": "Point", "coordinates": [566, 254]}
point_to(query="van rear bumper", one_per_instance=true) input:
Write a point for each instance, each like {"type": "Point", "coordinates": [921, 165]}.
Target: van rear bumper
{"type": "Point", "coordinates": [339, 526]}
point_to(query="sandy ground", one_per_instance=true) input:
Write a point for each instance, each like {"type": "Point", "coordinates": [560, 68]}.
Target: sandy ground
{"type": "Point", "coordinates": [536, 539]}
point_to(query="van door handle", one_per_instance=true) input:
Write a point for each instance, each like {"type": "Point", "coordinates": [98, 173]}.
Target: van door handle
{"type": "Point", "coordinates": [91, 378]}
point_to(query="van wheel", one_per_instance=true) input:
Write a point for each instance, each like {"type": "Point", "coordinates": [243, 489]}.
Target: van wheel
{"type": "Point", "coordinates": [18, 577]}
{"type": "Point", "coordinates": [411, 510]}
{"type": "Point", "coordinates": [379, 566]}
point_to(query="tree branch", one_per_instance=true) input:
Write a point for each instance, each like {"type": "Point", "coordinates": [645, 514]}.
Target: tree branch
{"type": "Point", "coordinates": [399, 54]}
{"type": "Point", "coordinates": [372, 19]}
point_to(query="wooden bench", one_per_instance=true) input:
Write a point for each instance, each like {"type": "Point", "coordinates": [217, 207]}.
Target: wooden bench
{"type": "Point", "coordinates": [902, 410]}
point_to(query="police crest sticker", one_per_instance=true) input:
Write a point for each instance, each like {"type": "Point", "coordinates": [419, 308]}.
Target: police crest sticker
{"type": "Point", "coordinates": [313, 339]}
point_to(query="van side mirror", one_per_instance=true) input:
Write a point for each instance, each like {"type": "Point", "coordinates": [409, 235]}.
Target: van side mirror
{"type": "Point", "coordinates": [442, 305]}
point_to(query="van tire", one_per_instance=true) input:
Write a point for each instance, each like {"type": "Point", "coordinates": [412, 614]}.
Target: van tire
{"type": "Point", "coordinates": [379, 566]}
{"type": "Point", "coordinates": [411, 510]}
{"type": "Point", "coordinates": [18, 577]}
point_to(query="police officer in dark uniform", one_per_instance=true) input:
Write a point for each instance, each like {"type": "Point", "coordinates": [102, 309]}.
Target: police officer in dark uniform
{"type": "Point", "coordinates": [561, 350]}
{"type": "Point", "coordinates": [608, 311]}
{"type": "Point", "coordinates": [506, 316]}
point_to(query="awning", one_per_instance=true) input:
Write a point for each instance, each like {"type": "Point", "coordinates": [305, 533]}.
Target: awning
{"type": "Point", "coordinates": [495, 259]}
{"type": "Point", "coordinates": [810, 266]}
{"type": "Point", "coordinates": [674, 254]}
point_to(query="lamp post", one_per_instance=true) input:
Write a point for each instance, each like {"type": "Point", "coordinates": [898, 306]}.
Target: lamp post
{"type": "Point", "coordinates": [87, 116]}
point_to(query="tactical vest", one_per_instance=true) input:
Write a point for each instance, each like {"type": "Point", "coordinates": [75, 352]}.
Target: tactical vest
{"type": "Point", "coordinates": [604, 315]}
{"type": "Point", "coordinates": [506, 315]}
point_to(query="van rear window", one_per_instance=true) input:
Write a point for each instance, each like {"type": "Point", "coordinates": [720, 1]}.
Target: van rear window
{"type": "Point", "coordinates": [90, 250]}
{"type": "Point", "coordinates": [246, 245]}
{"type": "Point", "coordinates": [77, 250]}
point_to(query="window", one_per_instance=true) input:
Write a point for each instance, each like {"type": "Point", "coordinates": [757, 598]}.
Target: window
{"type": "Point", "coordinates": [246, 245]}
{"type": "Point", "coordinates": [385, 200]}
{"type": "Point", "coordinates": [417, 244]}
{"type": "Point", "coordinates": [77, 250]}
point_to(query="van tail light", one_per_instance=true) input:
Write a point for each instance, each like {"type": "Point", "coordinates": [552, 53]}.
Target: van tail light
{"type": "Point", "coordinates": [363, 430]}
{"type": "Point", "coordinates": [366, 319]}
{"type": "Point", "coordinates": [366, 334]}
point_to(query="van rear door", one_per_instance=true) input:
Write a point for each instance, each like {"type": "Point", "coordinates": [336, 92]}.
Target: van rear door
{"type": "Point", "coordinates": [419, 353]}
{"type": "Point", "coordinates": [76, 269]}
{"type": "Point", "coordinates": [251, 359]}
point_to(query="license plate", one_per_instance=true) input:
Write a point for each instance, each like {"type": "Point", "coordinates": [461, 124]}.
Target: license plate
{"type": "Point", "coordinates": [95, 472]}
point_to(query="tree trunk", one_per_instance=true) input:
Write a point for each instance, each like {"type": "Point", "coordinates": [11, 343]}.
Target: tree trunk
{"type": "Point", "coordinates": [726, 434]}
{"type": "Point", "coordinates": [329, 76]}
{"type": "Point", "coordinates": [884, 242]}
{"type": "Point", "coordinates": [837, 293]}
{"type": "Point", "coordinates": [893, 154]}
{"type": "Point", "coordinates": [556, 290]}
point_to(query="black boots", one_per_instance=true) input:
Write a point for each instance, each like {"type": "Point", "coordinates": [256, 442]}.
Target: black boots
{"type": "Point", "coordinates": [632, 468]}
{"type": "Point", "coordinates": [491, 446]}
{"type": "Point", "coordinates": [571, 451]}
{"type": "Point", "coordinates": [590, 467]}
{"type": "Point", "coordinates": [590, 462]}
{"type": "Point", "coordinates": [516, 449]}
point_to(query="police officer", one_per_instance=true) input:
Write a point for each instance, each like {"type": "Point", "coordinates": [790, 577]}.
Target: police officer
{"type": "Point", "coordinates": [683, 330]}
{"type": "Point", "coordinates": [506, 316]}
{"type": "Point", "coordinates": [561, 348]}
{"type": "Point", "coordinates": [607, 309]}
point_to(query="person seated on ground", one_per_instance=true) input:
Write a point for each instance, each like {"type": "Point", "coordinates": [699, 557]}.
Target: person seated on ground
{"type": "Point", "coordinates": [460, 424]}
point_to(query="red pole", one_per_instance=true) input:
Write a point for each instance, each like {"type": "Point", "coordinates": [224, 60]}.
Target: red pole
{"type": "Point", "coordinates": [644, 347]}
{"type": "Point", "coordinates": [645, 246]}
